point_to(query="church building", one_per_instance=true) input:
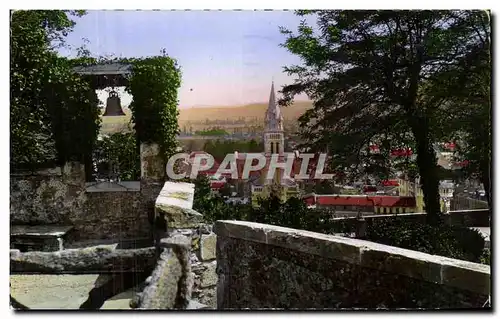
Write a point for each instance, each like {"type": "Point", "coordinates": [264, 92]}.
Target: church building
{"type": "Point", "coordinates": [274, 143]}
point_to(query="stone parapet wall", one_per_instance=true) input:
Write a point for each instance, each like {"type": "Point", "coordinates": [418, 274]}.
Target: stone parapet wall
{"type": "Point", "coordinates": [264, 266]}
{"type": "Point", "coordinates": [60, 197]}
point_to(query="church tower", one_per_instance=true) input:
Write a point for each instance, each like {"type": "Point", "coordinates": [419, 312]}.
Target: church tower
{"type": "Point", "coordinates": [274, 137]}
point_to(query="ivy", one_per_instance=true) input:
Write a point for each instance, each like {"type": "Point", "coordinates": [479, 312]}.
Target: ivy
{"type": "Point", "coordinates": [119, 149]}
{"type": "Point", "coordinates": [54, 113]}
{"type": "Point", "coordinates": [153, 85]}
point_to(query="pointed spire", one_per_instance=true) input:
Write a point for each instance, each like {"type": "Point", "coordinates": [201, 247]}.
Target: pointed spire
{"type": "Point", "coordinates": [274, 118]}
{"type": "Point", "coordinates": [272, 97]}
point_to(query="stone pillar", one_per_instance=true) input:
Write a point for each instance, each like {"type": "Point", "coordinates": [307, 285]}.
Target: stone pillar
{"type": "Point", "coordinates": [175, 204]}
{"type": "Point", "coordinates": [73, 174]}
{"type": "Point", "coordinates": [152, 163]}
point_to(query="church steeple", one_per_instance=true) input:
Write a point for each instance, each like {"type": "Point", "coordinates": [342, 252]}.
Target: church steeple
{"type": "Point", "coordinates": [273, 129]}
{"type": "Point", "coordinates": [274, 118]}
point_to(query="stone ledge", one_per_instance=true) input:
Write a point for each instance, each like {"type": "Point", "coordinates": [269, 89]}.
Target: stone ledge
{"type": "Point", "coordinates": [92, 260]}
{"type": "Point", "coordinates": [39, 231]}
{"type": "Point", "coordinates": [175, 202]}
{"type": "Point", "coordinates": [436, 269]}
{"type": "Point", "coordinates": [103, 187]}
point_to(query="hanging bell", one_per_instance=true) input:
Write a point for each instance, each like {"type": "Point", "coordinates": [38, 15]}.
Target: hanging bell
{"type": "Point", "coordinates": [113, 105]}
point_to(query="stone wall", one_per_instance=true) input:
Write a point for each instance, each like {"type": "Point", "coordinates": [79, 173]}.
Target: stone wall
{"type": "Point", "coordinates": [61, 197]}
{"type": "Point", "coordinates": [174, 204]}
{"type": "Point", "coordinates": [264, 266]}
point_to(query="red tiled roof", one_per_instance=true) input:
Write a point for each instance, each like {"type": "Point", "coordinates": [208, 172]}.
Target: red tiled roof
{"type": "Point", "coordinates": [402, 152]}
{"type": "Point", "coordinates": [390, 182]}
{"type": "Point", "coordinates": [217, 184]}
{"type": "Point", "coordinates": [343, 200]}
{"type": "Point", "coordinates": [394, 201]}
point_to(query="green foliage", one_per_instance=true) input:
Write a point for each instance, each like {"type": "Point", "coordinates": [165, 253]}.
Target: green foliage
{"type": "Point", "coordinates": [75, 115]}
{"type": "Point", "coordinates": [220, 148]}
{"type": "Point", "coordinates": [54, 115]}
{"type": "Point", "coordinates": [443, 240]}
{"type": "Point", "coordinates": [153, 85]}
{"type": "Point", "coordinates": [121, 150]}
{"type": "Point", "coordinates": [486, 257]}
{"type": "Point", "coordinates": [225, 190]}
{"type": "Point", "coordinates": [382, 76]}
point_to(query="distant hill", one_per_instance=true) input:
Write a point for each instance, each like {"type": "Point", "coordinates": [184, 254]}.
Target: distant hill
{"type": "Point", "coordinates": [252, 112]}
{"type": "Point", "coordinates": [258, 111]}
{"type": "Point", "coordinates": [112, 124]}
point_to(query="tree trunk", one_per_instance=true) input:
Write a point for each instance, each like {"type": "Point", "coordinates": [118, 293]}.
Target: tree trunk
{"type": "Point", "coordinates": [485, 179]}
{"type": "Point", "coordinates": [427, 165]}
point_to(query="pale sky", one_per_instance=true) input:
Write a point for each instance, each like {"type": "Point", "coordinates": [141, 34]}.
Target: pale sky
{"type": "Point", "coordinates": [226, 57]}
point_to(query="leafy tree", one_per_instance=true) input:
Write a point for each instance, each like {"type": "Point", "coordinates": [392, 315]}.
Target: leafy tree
{"type": "Point", "coordinates": [54, 115]}
{"type": "Point", "coordinates": [373, 72]}
{"type": "Point", "coordinates": [202, 193]}
{"type": "Point", "coordinates": [468, 120]}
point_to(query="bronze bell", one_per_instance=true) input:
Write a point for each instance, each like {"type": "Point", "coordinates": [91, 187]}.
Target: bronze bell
{"type": "Point", "coordinates": [113, 105]}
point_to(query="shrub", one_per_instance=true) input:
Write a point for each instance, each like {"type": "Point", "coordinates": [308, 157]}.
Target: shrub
{"type": "Point", "coordinates": [448, 241]}
{"type": "Point", "coordinates": [485, 257]}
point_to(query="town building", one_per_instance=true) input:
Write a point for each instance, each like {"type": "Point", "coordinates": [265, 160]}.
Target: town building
{"type": "Point", "coordinates": [351, 205]}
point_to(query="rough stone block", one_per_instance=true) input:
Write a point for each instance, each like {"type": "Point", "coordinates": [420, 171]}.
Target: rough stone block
{"type": "Point", "coordinates": [175, 201]}
{"type": "Point", "coordinates": [73, 173]}
{"type": "Point", "coordinates": [152, 163]}
{"type": "Point", "coordinates": [162, 290]}
{"type": "Point", "coordinates": [208, 247]}
{"type": "Point", "coordinates": [209, 297]}
{"type": "Point", "coordinates": [209, 276]}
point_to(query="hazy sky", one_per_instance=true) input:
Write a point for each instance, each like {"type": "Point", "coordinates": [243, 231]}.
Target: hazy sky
{"type": "Point", "coordinates": [227, 57]}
